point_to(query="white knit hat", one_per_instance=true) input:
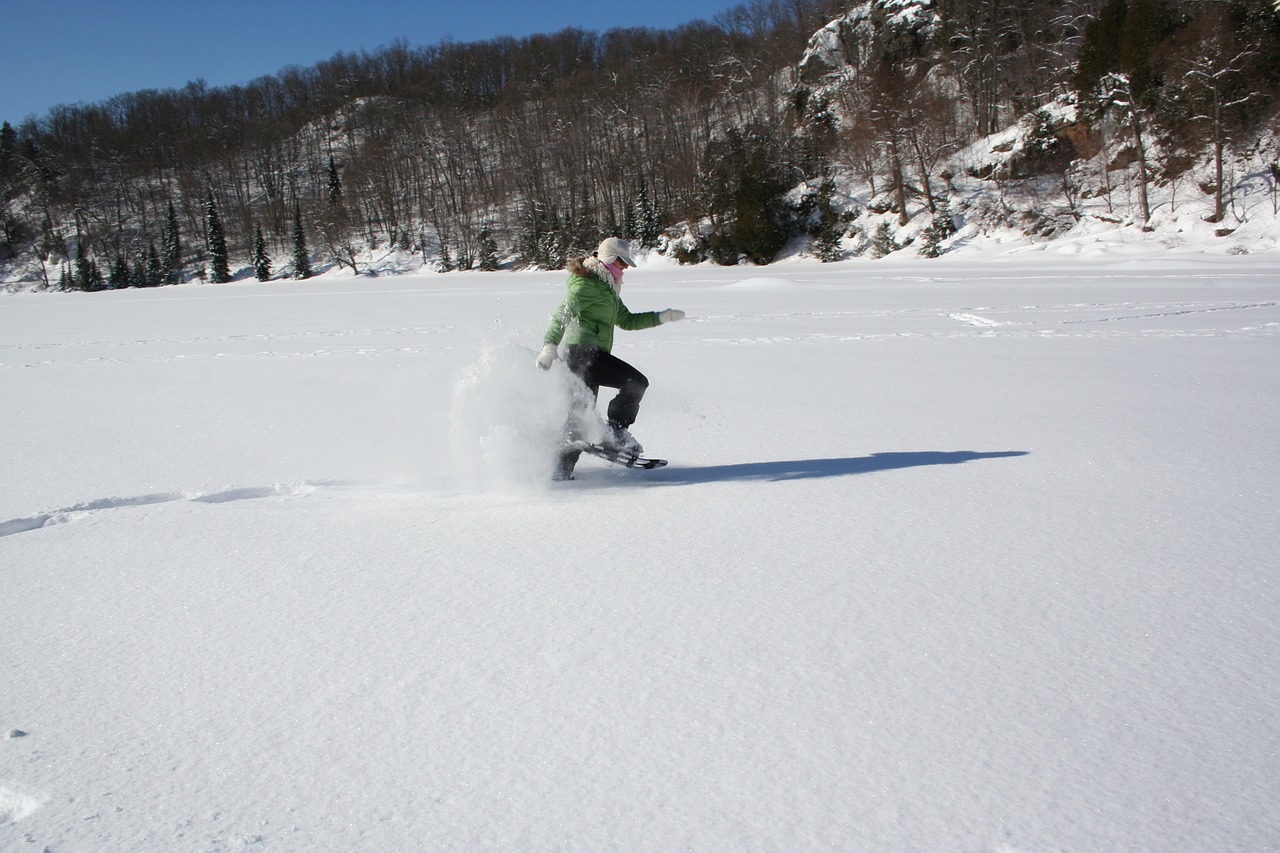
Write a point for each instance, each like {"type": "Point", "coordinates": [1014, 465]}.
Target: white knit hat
{"type": "Point", "coordinates": [615, 249]}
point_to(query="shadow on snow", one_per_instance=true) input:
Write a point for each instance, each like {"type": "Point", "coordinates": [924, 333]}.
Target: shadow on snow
{"type": "Point", "coordinates": [810, 469]}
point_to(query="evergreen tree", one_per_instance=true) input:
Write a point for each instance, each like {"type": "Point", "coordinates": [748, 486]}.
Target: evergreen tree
{"type": "Point", "coordinates": [118, 275]}
{"type": "Point", "coordinates": [12, 227]}
{"type": "Point", "coordinates": [335, 185]}
{"type": "Point", "coordinates": [1043, 151]}
{"type": "Point", "coordinates": [95, 280]}
{"type": "Point", "coordinates": [827, 241]}
{"type": "Point", "coordinates": [488, 251]}
{"type": "Point", "coordinates": [335, 224]}
{"type": "Point", "coordinates": [581, 233]}
{"type": "Point", "coordinates": [645, 216]}
{"type": "Point", "coordinates": [153, 268]}
{"type": "Point", "coordinates": [630, 224]}
{"type": "Point", "coordinates": [1101, 46]}
{"type": "Point", "coordinates": [1145, 24]}
{"type": "Point", "coordinates": [1274, 168]}
{"type": "Point", "coordinates": [746, 188]}
{"type": "Point", "coordinates": [544, 239]}
{"type": "Point", "coordinates": [171, 256]}
{"type": "Point", "coordinates": [553, 251]}
{"type": "Point", "coordinates": [82, 277]}
{"type": "Point", "coordinates": [826, 229]}
{"type": "Point", "coordinates": [464, 261]}
{"type": "Point", "coordinates": [1123, 39]}
{"type": "Point", "coordinates": [883, 242]}
{"type": "Point", "coordinates": [8, 145]}
{"type": "Point", "coordinates": [445, 263]}
{"type": "Point", "coordinates": [219, 266]}
{"type": "Point", "coordinates": [261, 261]}
{"type": "Point", "coordinates": [940, 228]}
{"type": "Point", "coordinates": [301, 257]}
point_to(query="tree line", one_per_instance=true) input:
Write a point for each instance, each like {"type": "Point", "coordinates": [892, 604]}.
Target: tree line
{"type": "Point", "coordinates": [533, 148]}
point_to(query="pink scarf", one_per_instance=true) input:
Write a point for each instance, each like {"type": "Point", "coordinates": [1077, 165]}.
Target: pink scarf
{"type": "Point", "coordinates": [615, 271]}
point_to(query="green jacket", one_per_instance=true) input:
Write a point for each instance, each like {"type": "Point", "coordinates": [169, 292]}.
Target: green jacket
{"type": "Point", "coordinates": [592, 309]}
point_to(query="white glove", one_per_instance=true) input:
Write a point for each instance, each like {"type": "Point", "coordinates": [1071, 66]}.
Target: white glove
{"type": "Point", "coordinates": [549, 356]}
{"type": "Point", "coordinates": [671, 315]}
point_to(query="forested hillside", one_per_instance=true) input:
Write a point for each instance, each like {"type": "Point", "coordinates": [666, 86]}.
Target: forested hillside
{"type": "Point", "coordinates": [719, 141]}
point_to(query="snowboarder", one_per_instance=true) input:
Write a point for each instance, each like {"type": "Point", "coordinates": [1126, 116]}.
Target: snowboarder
{"type": "Point", "coordinates": [584, 322]}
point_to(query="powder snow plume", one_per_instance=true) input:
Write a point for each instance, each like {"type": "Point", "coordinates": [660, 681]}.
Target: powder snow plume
{"type": "Point", "coordinates": [505, 419]}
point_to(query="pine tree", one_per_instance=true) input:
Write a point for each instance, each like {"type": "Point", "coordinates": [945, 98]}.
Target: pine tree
{"type": "Point", "coordinates": [1275, 187]}
{"type": "Point", "coordinates": [118, 275]}
{"type": "Point", "coordinates": [747, 182]}
{"type": "Point", "coordinates": [301, 257]}
{"type": "Point", "coordinates": [631, 223]}
{"type": "Point", "coordinates": [1145, 24]}
{"type": "Point", "coordinates": [645, 219]}
{"type": "Point", "coordinates": [219, 267]}
{"type": "Point", "coordinates": [8, 145]}
{"type": "Point", "coordinates": [171, 256]}
{"type": "Point", "coordinates": [464, 261]}
{"type": "Point", "coordinates": [261, 261]}
{"type": "Point", "coordinates": [153, 269]}
{"type": "Point", "coordinates": [1123, 38]}
{"type": "Point", "coordinates": [335, 185]}
{"type": "Point", "coordinates": [95, 280]}
{"type": "Point", "coordinates": [543, 239]}
{"type": "Point", "coordinates": [941, 226]}
{"type": "Point", "coordinates": [488, 251]}
{"type": "Point", "coordinates": [555, 250]}
{"type": "Point", "coordinates": [82, 277]}
{"type": "Point", "coordinates": [1101, 46]}
{"type": "Point", "coordinates": [11, 227]}
{"type": "Point", "coordinates": [828, 231]}
{"type": "Point", "coordinates": [883, 242]}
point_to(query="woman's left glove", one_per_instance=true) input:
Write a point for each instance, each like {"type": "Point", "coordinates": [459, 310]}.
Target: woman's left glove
{"type": "Point", "coordinates": [549, 356]}
{"type": "Point", "coordinates": [671, 315]}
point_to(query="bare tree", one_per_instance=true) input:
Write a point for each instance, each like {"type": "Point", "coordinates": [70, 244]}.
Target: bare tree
{"type": "Point", "coordinates": [1215, 76]}
{"type": "Point", "coordinates": [1116, 92]}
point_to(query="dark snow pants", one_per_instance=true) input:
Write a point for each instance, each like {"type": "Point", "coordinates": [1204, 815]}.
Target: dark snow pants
{"type": "Point", "coordinates": [598, 369]}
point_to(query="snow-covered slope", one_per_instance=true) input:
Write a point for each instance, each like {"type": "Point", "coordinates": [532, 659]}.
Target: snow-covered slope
{"type": "Point", "coordinates": [949, 556]}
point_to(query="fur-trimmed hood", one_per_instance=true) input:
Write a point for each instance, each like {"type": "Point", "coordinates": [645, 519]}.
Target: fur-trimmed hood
{"type": "Point", "coordinates": [593, 267]}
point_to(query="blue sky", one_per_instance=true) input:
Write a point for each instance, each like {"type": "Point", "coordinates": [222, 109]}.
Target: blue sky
{"type": "Point", "coordinates": [84, 51]}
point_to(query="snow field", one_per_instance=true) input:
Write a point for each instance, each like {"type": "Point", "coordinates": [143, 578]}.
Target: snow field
{"type": "Point", "coordinates": [948, 556]}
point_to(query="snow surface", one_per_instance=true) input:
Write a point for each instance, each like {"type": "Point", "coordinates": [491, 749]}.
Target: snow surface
{"type": "Point", "coordinates": [951, 555]}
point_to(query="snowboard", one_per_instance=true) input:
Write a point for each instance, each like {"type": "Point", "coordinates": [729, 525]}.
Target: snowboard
{"type": "Point", "coordinates": [630, 460]}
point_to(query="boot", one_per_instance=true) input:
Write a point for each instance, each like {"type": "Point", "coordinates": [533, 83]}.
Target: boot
{"type": "Point", "coordinates": [620, 440]}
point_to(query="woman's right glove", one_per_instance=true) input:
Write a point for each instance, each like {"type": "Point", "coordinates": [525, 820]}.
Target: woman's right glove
{"type": "Point", "coordinates": [671, 315]}
{"type": "Point", "coordinates": [549, 356]}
